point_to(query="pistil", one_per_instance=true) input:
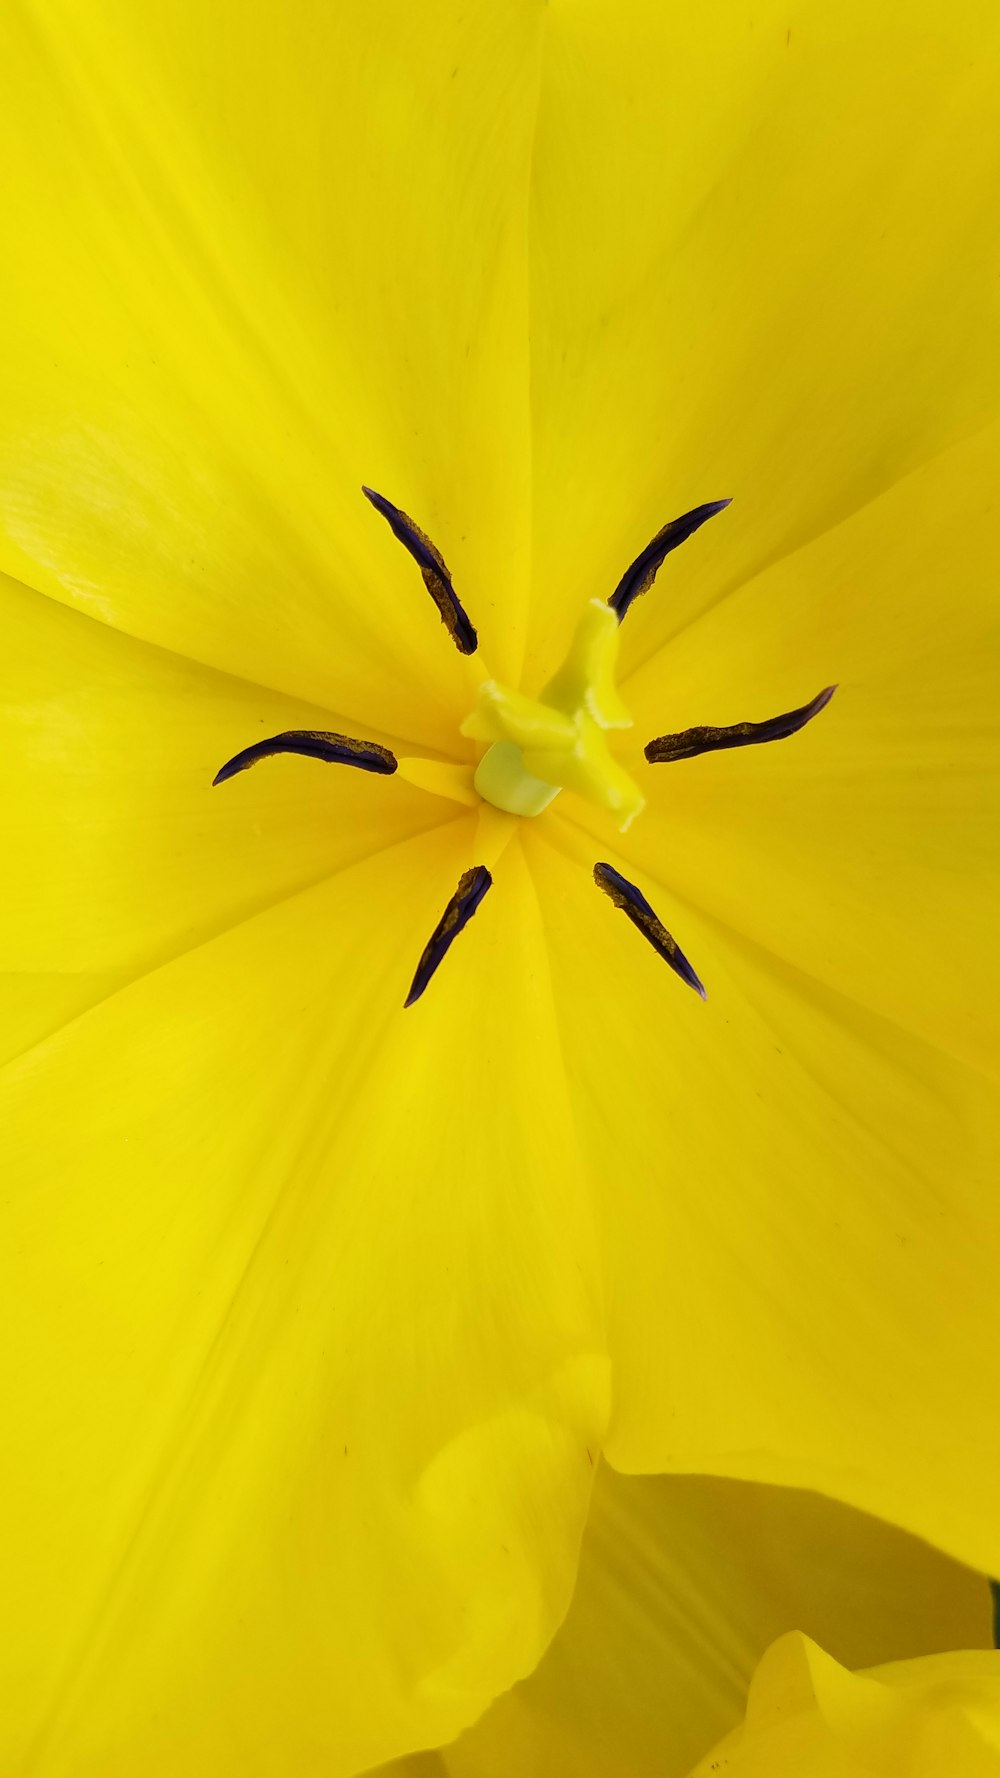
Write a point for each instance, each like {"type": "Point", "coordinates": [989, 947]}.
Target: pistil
{"type": "Point", "coordinates": [539, 746]}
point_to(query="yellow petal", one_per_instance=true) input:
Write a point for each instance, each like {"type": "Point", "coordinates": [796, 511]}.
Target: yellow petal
{"type": "Point", "coordinates": [913, 1719]}
{"type": "Point", "coordinates": [254, 258]}
{"type": "Point", "coordinates": [784, 289]}
{"type": "Point", "coordinates": [121, 852]}
{"type": "Point", "coordinates": [866, 850]}
{"type": "Point", "coordinates": [801, 1241]}
{"type": "Point", "coordinates": [684, 1582]}
{"type": "Point", "coordinates": [303, 1360]}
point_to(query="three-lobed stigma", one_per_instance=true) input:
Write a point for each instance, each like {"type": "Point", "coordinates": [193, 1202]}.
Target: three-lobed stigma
{"type": "Point", "coordinates": [534, 747]}
{"type": "Point", "coordinates": [558, 741]}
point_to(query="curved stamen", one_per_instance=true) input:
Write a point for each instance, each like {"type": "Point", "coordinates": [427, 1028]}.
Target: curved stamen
{"type": "Point", "coordinates": [431, 563]}
{"type": "Point", "coordinates": [634, 905]}
{"type": "Point", "coordinates": [692, 741]}
{"type": "Point", "coordinates": [638, 578]}
{"type": "Point", "coordinates": [463, 904]}
{"type": "Point", "coordinates": [338, 750]}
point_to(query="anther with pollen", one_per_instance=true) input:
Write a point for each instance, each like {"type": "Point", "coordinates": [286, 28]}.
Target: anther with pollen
{"type": "Point", "coordinates": [636, 908]}
{"type": "Point", "coordinates": [640, 575]}
{"type": "Point", "coordinates": [463, 904]}
{"type": "Point", "coordinates": [435, 574]}
{"type": "Point", "coordinates": [338, 750]}
{"type": "Point", "coordinates": [692, 741]}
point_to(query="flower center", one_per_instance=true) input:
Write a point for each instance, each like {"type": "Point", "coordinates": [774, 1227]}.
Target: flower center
{"type": "Point", "coordinates": [538, 746]}
{"type": "Point", "coordinates": [557, 741]}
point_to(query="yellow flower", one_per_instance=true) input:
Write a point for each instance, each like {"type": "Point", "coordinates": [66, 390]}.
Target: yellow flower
{"type": "Point", "coordinates": [685, 1584]}
{"type": "Point", "coordinates": [317, 1310]}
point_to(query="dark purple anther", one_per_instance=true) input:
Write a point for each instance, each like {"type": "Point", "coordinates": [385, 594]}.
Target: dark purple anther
{"type": "Point", "coordinates": [463, 904]}
{"type": "Point", "coordinates": [436, 577]}
{"type": "Point", "coordinates": [640, 576]}
{"type": "Point", "coordinates": [338, 750]}
{"type": "Point", "coordinates": [634, 905]}
{"type": "Point", "coordinates": [692, 741]}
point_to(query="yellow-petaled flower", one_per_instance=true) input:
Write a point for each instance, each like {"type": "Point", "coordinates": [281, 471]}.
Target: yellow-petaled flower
{"type": "Point", "coordinates": [685, 1584]}
{"type": "Point", "coordinates": [318, 1308]}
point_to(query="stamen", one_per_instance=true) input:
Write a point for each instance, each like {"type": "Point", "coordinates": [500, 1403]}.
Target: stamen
{"type": "Point", "coordinates": [692, 741]}
{"type": "Point", "coordinates": [640, 576]}
{"type": "Point", "coordinates": [634, 905]}
{"type": "Point", "coordinates": [338, 750]}
{"type": "Point", "coordinates": [463, 904]}
{"type": "Point", "coordinates": [431, 563]}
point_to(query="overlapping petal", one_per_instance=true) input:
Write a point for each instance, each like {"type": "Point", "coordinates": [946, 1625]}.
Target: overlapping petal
{"type": "Point", "coordinates": [846, 1122]}
{"type": "Point", "coordinates": [780, 297]}
{"type": "Point", "coordinates": [121, 854]}
{"type": "Point", "coordinates": [912, 1719]}
{"type": "Point", "coordinates": [303, 1379]}
{"type": "Point", "coordinates": [797, 1218]}
{"type": "Point", "coordinates": [760, 269]}
{"type": "Point", "coordinates": [684, 1583]}
{"type": "Point", "coordinates": [865, 851]}
{"type": "Point", "coordinates": [252, 258]}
